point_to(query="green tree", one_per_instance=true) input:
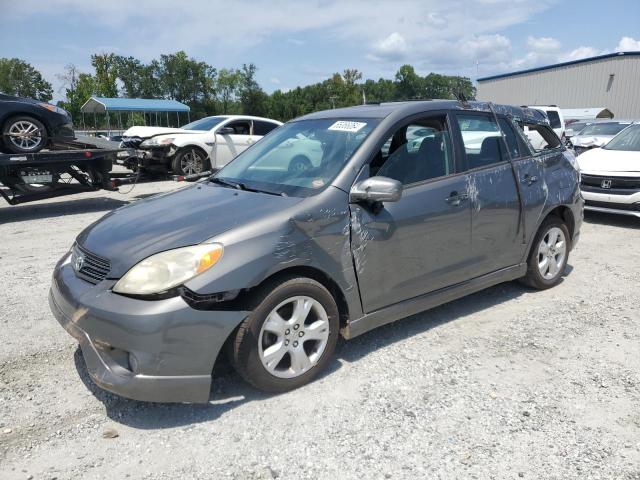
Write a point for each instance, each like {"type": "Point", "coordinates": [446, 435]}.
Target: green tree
{"type": "Point", "coordinates": [79, 87]}
{"type": "Point", "coordinates": [409, 85]}
{"type": "Point", "coordinates": [106, 67]}
{"type": "Point", "coordinates": [19, 78]}
{"type": "Point", "coordinates": [228, 85]}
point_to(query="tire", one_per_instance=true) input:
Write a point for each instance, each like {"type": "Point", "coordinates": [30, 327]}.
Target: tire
{"type": "Point", "coordinates": [541, 275]}
{"type": "Point", "coordinates": [255, 348]}
{"type": "Point", "coordinates": [24, 134]}
{"type": "Point", "coordinates": [299, 164]}
{"type": "Point", "coordinates": [189, 161]}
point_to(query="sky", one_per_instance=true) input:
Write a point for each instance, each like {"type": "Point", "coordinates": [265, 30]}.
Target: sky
{"type": "Point", "coordinates": [295, 43]}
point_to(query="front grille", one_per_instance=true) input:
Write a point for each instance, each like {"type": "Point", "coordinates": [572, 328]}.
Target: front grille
{"type": "Point", "coordinates": [616, 185]}
{"type": "Point", "coordinates": [89, 266]}
{"type": "Point", "coordinates": [130, 142]}
{"type": "Point", "coordinates": [632, 207]}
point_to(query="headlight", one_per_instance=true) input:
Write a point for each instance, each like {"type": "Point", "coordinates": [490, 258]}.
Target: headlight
{"type": "Point", "coordinates": [165, 270]}
{"type": "Point", "coordinates": [53, 108]}
{"type": "Point", "coordinates": [156, 142]}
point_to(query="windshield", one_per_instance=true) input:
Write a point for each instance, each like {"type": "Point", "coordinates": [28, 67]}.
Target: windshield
{"type": "Point", "coordinates": [299, 158]}
{"type": "Point", "coordinates": [206, 123]}
{"type": "Point", "coordinates": [628, 140]}
{"type": "Point", "coordinates": [608, 128]}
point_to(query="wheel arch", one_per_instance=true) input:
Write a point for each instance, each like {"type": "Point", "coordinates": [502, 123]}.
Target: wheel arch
{"type": "Point", "coordinates": [562, 212]}
{"type": "Point", "coordinates": [315, 274]}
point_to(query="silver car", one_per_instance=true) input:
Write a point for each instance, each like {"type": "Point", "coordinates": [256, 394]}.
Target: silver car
{"type": "Point", "coordinates": [597, 134]}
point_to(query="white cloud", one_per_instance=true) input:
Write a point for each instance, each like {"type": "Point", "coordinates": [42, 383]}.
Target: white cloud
{"type": "Point", "coordinates": [393, 47]}
{"type": "Point", "coordinates": [543, 44]}
{"type": "Point", "coordinates": [275, 81]}
{"type": "Point", "coordinates": [628, 44]}
{"type": "Point", "coordinates": [580, 53]}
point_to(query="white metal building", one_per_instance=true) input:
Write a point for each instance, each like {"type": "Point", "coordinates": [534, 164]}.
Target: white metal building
{"type": "Point", "coordinates": [609, 81]}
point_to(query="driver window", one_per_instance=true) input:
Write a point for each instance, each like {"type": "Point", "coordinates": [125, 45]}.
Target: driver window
{"type": "Point", "coordinates": [416, 152]}
{"type": "Point", "coordinates": [240, 127]}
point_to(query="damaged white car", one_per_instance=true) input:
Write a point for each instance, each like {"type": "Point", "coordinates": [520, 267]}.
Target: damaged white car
{"type": "Point", "coordinates": [208, 143]}
{"type": "Point", "coordinates": [611, 175]}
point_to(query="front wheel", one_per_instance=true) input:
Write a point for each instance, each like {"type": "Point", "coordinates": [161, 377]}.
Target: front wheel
{"type": "Point", "coordinates": [190, 161]}
{"type": "Point", "coordinates": [549, 255]}
{"type": "Point", "coordinates": [24, 134]}
{"type": "Point", "coordinates": [288, 338]}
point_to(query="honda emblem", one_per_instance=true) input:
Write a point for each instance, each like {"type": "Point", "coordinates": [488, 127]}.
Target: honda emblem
{"type": "Point", "coordinates": [606, 184]}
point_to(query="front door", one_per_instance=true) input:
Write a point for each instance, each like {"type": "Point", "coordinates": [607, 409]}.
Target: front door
{"type": "Point", "coordinates": [230, 145]}
{"type": "Point", "coordinates": [420, 243]}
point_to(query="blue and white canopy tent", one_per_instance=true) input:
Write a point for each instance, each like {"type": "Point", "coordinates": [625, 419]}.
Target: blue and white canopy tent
{"type": "Point", "coordinates": [146, 106]}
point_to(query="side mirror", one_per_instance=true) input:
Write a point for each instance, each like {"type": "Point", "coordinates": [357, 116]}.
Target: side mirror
{"type": "Point", "coordinates": [376, 189]}
{"type": "Point", "coordinates": [226, 131]}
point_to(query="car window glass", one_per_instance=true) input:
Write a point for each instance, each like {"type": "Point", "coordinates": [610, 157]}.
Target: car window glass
{"type": "Point", "coordinates": [416, 152]}
{"type": "Point", "coordinates": [482, 140]}
{"type": "Point", "coordinates": [540, 137]}
{"type": "Point", "coordinates": [262, 128]}
{"type": "Point", "coordinates": [240, 127]}
{"type": "Point", "coordinates": [206, 123]}
{"type": "Point", "coordinates": [514, 143]}
{"type": "Point", "coordinates": [554, 119]}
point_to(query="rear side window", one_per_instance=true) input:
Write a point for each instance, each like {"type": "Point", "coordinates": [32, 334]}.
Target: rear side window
{"type": "Point", "coordinates": [515, 143]}
{"type": "Point", "coordinates": [554, 119]}
{"type": "Point", "coordinates": [541, 137]}
{"type": "Point", "coordinates": [262, 128]}
{"type": "Point", "coordinates": [482, 140]}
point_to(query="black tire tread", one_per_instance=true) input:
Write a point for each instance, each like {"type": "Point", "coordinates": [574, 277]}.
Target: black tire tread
{"type": "Point", "coordinates": [532, 278]}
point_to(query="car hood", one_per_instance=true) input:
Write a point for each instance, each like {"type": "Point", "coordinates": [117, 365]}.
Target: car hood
{"type": "Point", "coordinates": [146, 132]}
{"type": "Point", "coordinates": [610, 162]}
{"type": "Point", "coordinates": [591, 140]}
{"type": "Point", "coordinates": [185, 217]}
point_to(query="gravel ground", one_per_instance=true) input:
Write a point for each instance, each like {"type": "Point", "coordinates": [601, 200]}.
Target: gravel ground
{"type": "Point", "coordinates": [506, 383]}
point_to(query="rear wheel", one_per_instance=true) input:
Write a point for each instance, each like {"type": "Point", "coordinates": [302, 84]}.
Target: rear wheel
{"type": "Point", "coordinates": [549, 255]}
{"type": "Point", "coordinates": [289, 337]}
{"type": "Point", "coordinates": [189, 161]}
{"type": "Point", "coordinates": [299, 164]}
{"type": "Point", "coordinates": [24, 134]}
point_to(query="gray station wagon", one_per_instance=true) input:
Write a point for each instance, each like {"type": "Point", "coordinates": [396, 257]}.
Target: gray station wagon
{"type": "Point", "coordinates": [408, 206]}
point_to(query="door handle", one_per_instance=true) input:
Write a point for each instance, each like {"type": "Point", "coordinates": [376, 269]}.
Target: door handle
{"type": "Point", "coordinates": [456, 198]}
{"type": "Point", "coordinates": [530, 179]}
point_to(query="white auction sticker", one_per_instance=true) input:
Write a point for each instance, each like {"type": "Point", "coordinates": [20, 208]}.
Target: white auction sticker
{"type": "Point", "coordinates": [346, 126]}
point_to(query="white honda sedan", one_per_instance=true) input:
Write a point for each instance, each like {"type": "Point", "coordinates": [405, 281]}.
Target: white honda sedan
{"type": "Point", "coordinates": [611, 175]}
{"type": "Point", "coordinates": [208, 143]}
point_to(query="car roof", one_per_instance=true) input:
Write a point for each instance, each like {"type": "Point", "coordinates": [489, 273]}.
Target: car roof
{"type": "Point", "coordinates": [249, 117]}
{"type": "Point", "coordinates": [403, 109]}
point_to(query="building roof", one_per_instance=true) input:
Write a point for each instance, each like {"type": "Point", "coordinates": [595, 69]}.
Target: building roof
{"type": "Point", "coordinates": [102, 105]}
{"type": "Point", "coordinates": [564, 64]}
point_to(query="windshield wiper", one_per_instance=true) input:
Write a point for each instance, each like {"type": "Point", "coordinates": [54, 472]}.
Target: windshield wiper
{"type": "Point", "coordinates": [242, 186]}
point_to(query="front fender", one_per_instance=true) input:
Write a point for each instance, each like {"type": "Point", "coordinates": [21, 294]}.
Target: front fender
{"type": "Point", "coordinates": [314, 233]}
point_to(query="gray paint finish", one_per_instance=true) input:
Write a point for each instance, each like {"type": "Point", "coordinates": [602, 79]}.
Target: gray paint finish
{"type": "Point", "coordinates": [387, 260]}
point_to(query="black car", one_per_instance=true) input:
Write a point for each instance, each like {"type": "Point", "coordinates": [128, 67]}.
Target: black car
{"type": "Point", "coordinates": [29, 125]}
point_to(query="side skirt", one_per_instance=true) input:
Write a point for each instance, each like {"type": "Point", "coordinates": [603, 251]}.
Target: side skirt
{"type": "Point", "coordinates": [430, 300]}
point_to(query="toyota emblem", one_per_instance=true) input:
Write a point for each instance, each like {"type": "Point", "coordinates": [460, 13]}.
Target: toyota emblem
{"type": "Point", "coordinates": [79, 262]}
{"type": "Point", "coordinates": [606, 184]}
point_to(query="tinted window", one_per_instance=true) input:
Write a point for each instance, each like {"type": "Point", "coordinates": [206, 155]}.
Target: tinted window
{"type": "Point", "coordinates": [418, 152]}
{"type": "Point", "coordinates": [554, 119]}
{"type": "Point", "coordinates": [262, 128]}
{"type": "Point", "coordinates": [482, 140]}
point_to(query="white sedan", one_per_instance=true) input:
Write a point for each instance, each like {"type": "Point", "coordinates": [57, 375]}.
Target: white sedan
{"type": "Point", "coordinates": [208, 143]}
{"type": "Point", "coordinates": [611, 175]}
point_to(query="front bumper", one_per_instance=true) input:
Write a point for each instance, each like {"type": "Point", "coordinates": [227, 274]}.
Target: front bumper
{"type": "Point", "coordinates": [159, 351]}
{"type": "Point", "coordinates": [611, 203]}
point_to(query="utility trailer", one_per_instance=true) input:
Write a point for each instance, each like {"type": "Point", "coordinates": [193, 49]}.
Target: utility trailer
{"type": "Point", "coordinates": [67, 168]}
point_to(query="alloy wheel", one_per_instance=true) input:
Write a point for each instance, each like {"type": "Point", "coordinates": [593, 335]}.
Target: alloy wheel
{"type": "Point", "coordinates": [191, 163]}
{"type": "Point", "coordinates": [25, 135]}
{"type": "Point", "coordinates": [293, 337]}
{"type": "Point", "coordinates": [552, 252]}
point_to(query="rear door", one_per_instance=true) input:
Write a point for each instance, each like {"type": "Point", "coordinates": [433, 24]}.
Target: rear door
{"type": "Point", "coordinates": [496, 240]}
